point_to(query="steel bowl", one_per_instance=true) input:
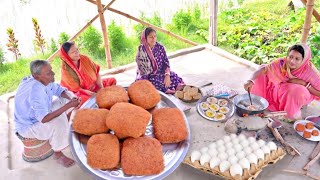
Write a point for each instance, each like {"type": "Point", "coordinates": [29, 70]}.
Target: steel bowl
{"type": "Point", "coordinates": [241, 100]}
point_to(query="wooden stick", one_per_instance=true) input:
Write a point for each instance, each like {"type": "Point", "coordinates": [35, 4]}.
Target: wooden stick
{"type": "Point", "coordinates": [78, 33]}
{"type": "Point", "coordinates": [315, 12]}
{"type": "Point", "coordinates": [307, 21]}
{"type": "Point", "coordinates": [104, 33]}
{"type": "Point", "coordinates": [309, 164]}
{"type": "Point", "coordinates": [315, 151]}
{"type": "Point", "coordinates": [306, 173]}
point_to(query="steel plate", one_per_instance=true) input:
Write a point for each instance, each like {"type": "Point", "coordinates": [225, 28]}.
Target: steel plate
{"type": "Point", "coordinates": [173, 154]}
{"type": "Point", "coordinates": [304, 122]}
{"type": "Point", "coordinates": [228, 115]}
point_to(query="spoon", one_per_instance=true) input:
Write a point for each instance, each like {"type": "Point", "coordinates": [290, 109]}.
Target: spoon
{"type": "Point", "coordinates": [250, 97]}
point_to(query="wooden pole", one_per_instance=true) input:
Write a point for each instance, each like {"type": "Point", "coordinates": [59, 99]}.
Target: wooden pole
{"type": "Point", "coordinates": [78, 33]}
{"type": "Point", "coordinates": [315, 12]}
{"type": "Point", "coordinates": [307, 21]}
{"type": "Point", "coordinates": [105, 34]}
{"type": "Point", "coordinates": [149, 25]}
{"type": "Point", "coordinates": [213, 34]}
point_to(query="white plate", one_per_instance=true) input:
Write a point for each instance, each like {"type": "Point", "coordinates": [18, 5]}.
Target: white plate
{"type": "Point", "coordinates": [304, 122]}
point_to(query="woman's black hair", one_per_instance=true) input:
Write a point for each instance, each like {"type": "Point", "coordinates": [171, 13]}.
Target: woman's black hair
{"type": "Point", "coordinates": [67, 45]}
{"type": "Point", "coordinates": [148, 31]}
{"type": "Point", "coordinates": [298, 48]}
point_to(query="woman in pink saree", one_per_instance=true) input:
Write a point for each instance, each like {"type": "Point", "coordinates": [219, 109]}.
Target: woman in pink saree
{"type": "Point", "coordinates": [287, 83]}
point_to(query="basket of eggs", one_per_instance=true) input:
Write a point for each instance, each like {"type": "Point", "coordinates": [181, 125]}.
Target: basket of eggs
{"type": "Point", "coordinates": [307, 129]}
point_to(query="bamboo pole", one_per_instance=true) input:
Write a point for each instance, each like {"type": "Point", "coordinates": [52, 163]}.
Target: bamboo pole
{"type": "Point", "coordinates": [307, 21]}
{"type": "Point", "coordinates": [80, 31]}
{"type": "Point", "coordinates": [105, 34]}
{"type": "Point", "coordinates": [149, 25]}
{"type": "Point", "coordinates": [213, 22]}
{"type": "Point", "coordinates": [315, 12]}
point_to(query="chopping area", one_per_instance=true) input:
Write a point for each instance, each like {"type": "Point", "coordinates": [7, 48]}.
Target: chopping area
{"type": "Point", "coordinates": [204, 67]}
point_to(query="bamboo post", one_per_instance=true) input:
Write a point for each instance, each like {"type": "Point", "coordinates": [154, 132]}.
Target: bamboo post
{"type": "Point", "coordinates": [80, 31]}
{"type": "Point", "coordinates": [307, 21]}
{"type": "Point", "coordinates": [213, 22]}
{"type": "Point", "coordinates": [315, 12]}
{"type": "Point", "coordinates": [105, 34]}
{"type": "Point", "coordinates": [149, 25]}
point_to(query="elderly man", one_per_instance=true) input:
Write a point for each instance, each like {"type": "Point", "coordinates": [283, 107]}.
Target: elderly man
{"type": "Point", "coordinates": [38, 116]}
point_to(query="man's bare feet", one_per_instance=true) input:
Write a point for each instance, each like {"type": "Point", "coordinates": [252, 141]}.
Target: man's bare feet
{"type": "Point", "coordinates": [63, 160]}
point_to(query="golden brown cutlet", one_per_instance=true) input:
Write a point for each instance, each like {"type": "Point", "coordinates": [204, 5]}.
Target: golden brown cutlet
{"type": "Point", "coordinates": [142, 156]}
{"type": "Point", "coordinates": [169, 125]}
{"type": "Point", "coordinates": [107, 97]}
{"type": "Point", "coordinates": [103, 151]}
{"type": "Point", "coordinates": [90, 121]}
{"type": "Point", "coordinates": [143, 93]}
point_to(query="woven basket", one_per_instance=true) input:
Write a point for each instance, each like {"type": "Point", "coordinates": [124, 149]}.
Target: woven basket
{"type": "Point", "coordinates": [34, 149]}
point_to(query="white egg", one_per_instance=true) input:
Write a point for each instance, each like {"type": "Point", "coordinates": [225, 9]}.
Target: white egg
{"type": "Point", "coordinates": [244, 143]}
{"type": "Point", "coordinates": [241, 154]}
{"type": "Point", "coordinates": [261, 142]}
{"type": "Point", "coordinates": [265, 149]}
{"type": "Point", "coordinates": [254, 146]}
{"type": "Point", "coordinates": [235, 141]}
{"type": "Point", "coordinates": [228, 145]}
{"type": "Point", "coordinates": [215, 161]}
{"type": "Point", "coordinates": [237, 147]}
{"type": "Point", "coordinates": [251, 140]}
{"type": "Point", "coordinates": [233, 136]}
{"type": "Point", "coordinates": [204, 158]}
{"type": "Point", "coordinates": [212, 145]}
{"type": "Point", "coordinates": [223, 156]}
{"type": "Point", "coordinates": [220, 142]}
{"type": "Point", "coordinates": [231, 152]}
{"type": "Point", "coordinates": [221, 149]}
{"type": "Point", "coordinates": [233, 159]}
{"type": "Point", "coordinates": [242, 137]}
{"type": "Point", "coordinates": [244, 163]}
{"type": "Point", "coordinates": [213, 152]}
{"type": "Point", "coordinates": [252, 158]}
{"type": "Point", "coordinates": [236, 169]}
{"type": "Point", "coordinates": [247, 150]}
{"type": "Point", "coordinates": [272, 146]}
{"type": "Point", "coordinates": [204, 150]}
{"type": "Point", "coordinates": [226, 139]}
{"type": "Point", "coordinates": [224, 166]}
{"type": "Point", "coordinates": [195, 155]}
{"type": "Point", "coordinates": [259, 153]}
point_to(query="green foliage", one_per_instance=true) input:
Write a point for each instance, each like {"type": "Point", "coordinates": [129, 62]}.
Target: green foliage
{"type": "Point", "coordinates": [1, 56]}
{"type": "Point", "coordinates": [155, 20]}
{"type": "Point", "coordinates": [117, 38]}
{"type": "Point", "coordinates": [53, 45]}
{"type": "Point", "coordinates": [12, 44]}
{"type": "Point", "coordinates": [39, 40]}
{"type": "Point", "coordinates": [182, 20]}
{"type": "Point", "coordinates": [314, 43]}
{"type": "Point", "coordinates": [63, 37]}
{"type": "Point", "coordinates": [91, 39]}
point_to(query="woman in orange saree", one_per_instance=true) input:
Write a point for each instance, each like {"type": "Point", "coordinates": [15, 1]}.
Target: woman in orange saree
{"type": "Point", "coordinates": [287, 83]}
{"type": "Point", "coordinates": [79, 73]}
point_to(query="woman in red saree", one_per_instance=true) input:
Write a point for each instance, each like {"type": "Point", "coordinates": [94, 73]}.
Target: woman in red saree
{"type": "Point", "coordinates": [287, 83]}
{"type": "Point", "coordinates": [79, 73]}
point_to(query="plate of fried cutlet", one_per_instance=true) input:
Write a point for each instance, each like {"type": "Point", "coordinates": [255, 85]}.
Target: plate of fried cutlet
{"type": "Point", "coordinates": [189, 94]}
{"type": "Point", "coordinates": [131, 132]}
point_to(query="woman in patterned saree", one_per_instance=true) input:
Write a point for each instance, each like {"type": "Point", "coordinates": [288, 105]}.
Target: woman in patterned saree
{"type": "Point", "coordinates": [287, 83]}
{"type": "Point", "coordinates": [153, 64]}
{"type": "Point", "coordinates": [79, 73]}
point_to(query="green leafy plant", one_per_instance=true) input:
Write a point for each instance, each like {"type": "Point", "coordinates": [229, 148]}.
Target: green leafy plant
{"type": "Point", "coordinates": [12, 44]}
{"type": "Point", "coordinates": [53, 46]}
{"type": "Point", "coordinates": [1, 56]}
{"type": "Point", "coordinates": [117, 38]}
{"type": "Point", "coordinates": [39, 40]}
{"type": "Point", "coordinates": [63, 37]}
{"type": "Point", "coordinates": [91, 39]}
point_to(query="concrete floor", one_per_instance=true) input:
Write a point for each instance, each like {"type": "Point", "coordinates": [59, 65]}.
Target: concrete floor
{"type": "Point", "coordinates": [197, 68]}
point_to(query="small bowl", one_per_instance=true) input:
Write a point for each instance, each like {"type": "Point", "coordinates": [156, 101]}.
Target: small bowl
{"type": "Point", "coordinates": [255, 99]}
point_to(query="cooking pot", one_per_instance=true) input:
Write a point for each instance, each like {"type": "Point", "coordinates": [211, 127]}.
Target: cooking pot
{"type": "Point", "coordinates": [241, 101]}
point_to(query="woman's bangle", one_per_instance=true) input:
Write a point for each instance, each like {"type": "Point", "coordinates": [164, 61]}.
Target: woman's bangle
{"type": "Point", "coordinates": [250, 80]}
{"type": "Point", "coordinates": [308, 84]}
{"type": "Point", "coordinates": [167, 73]}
